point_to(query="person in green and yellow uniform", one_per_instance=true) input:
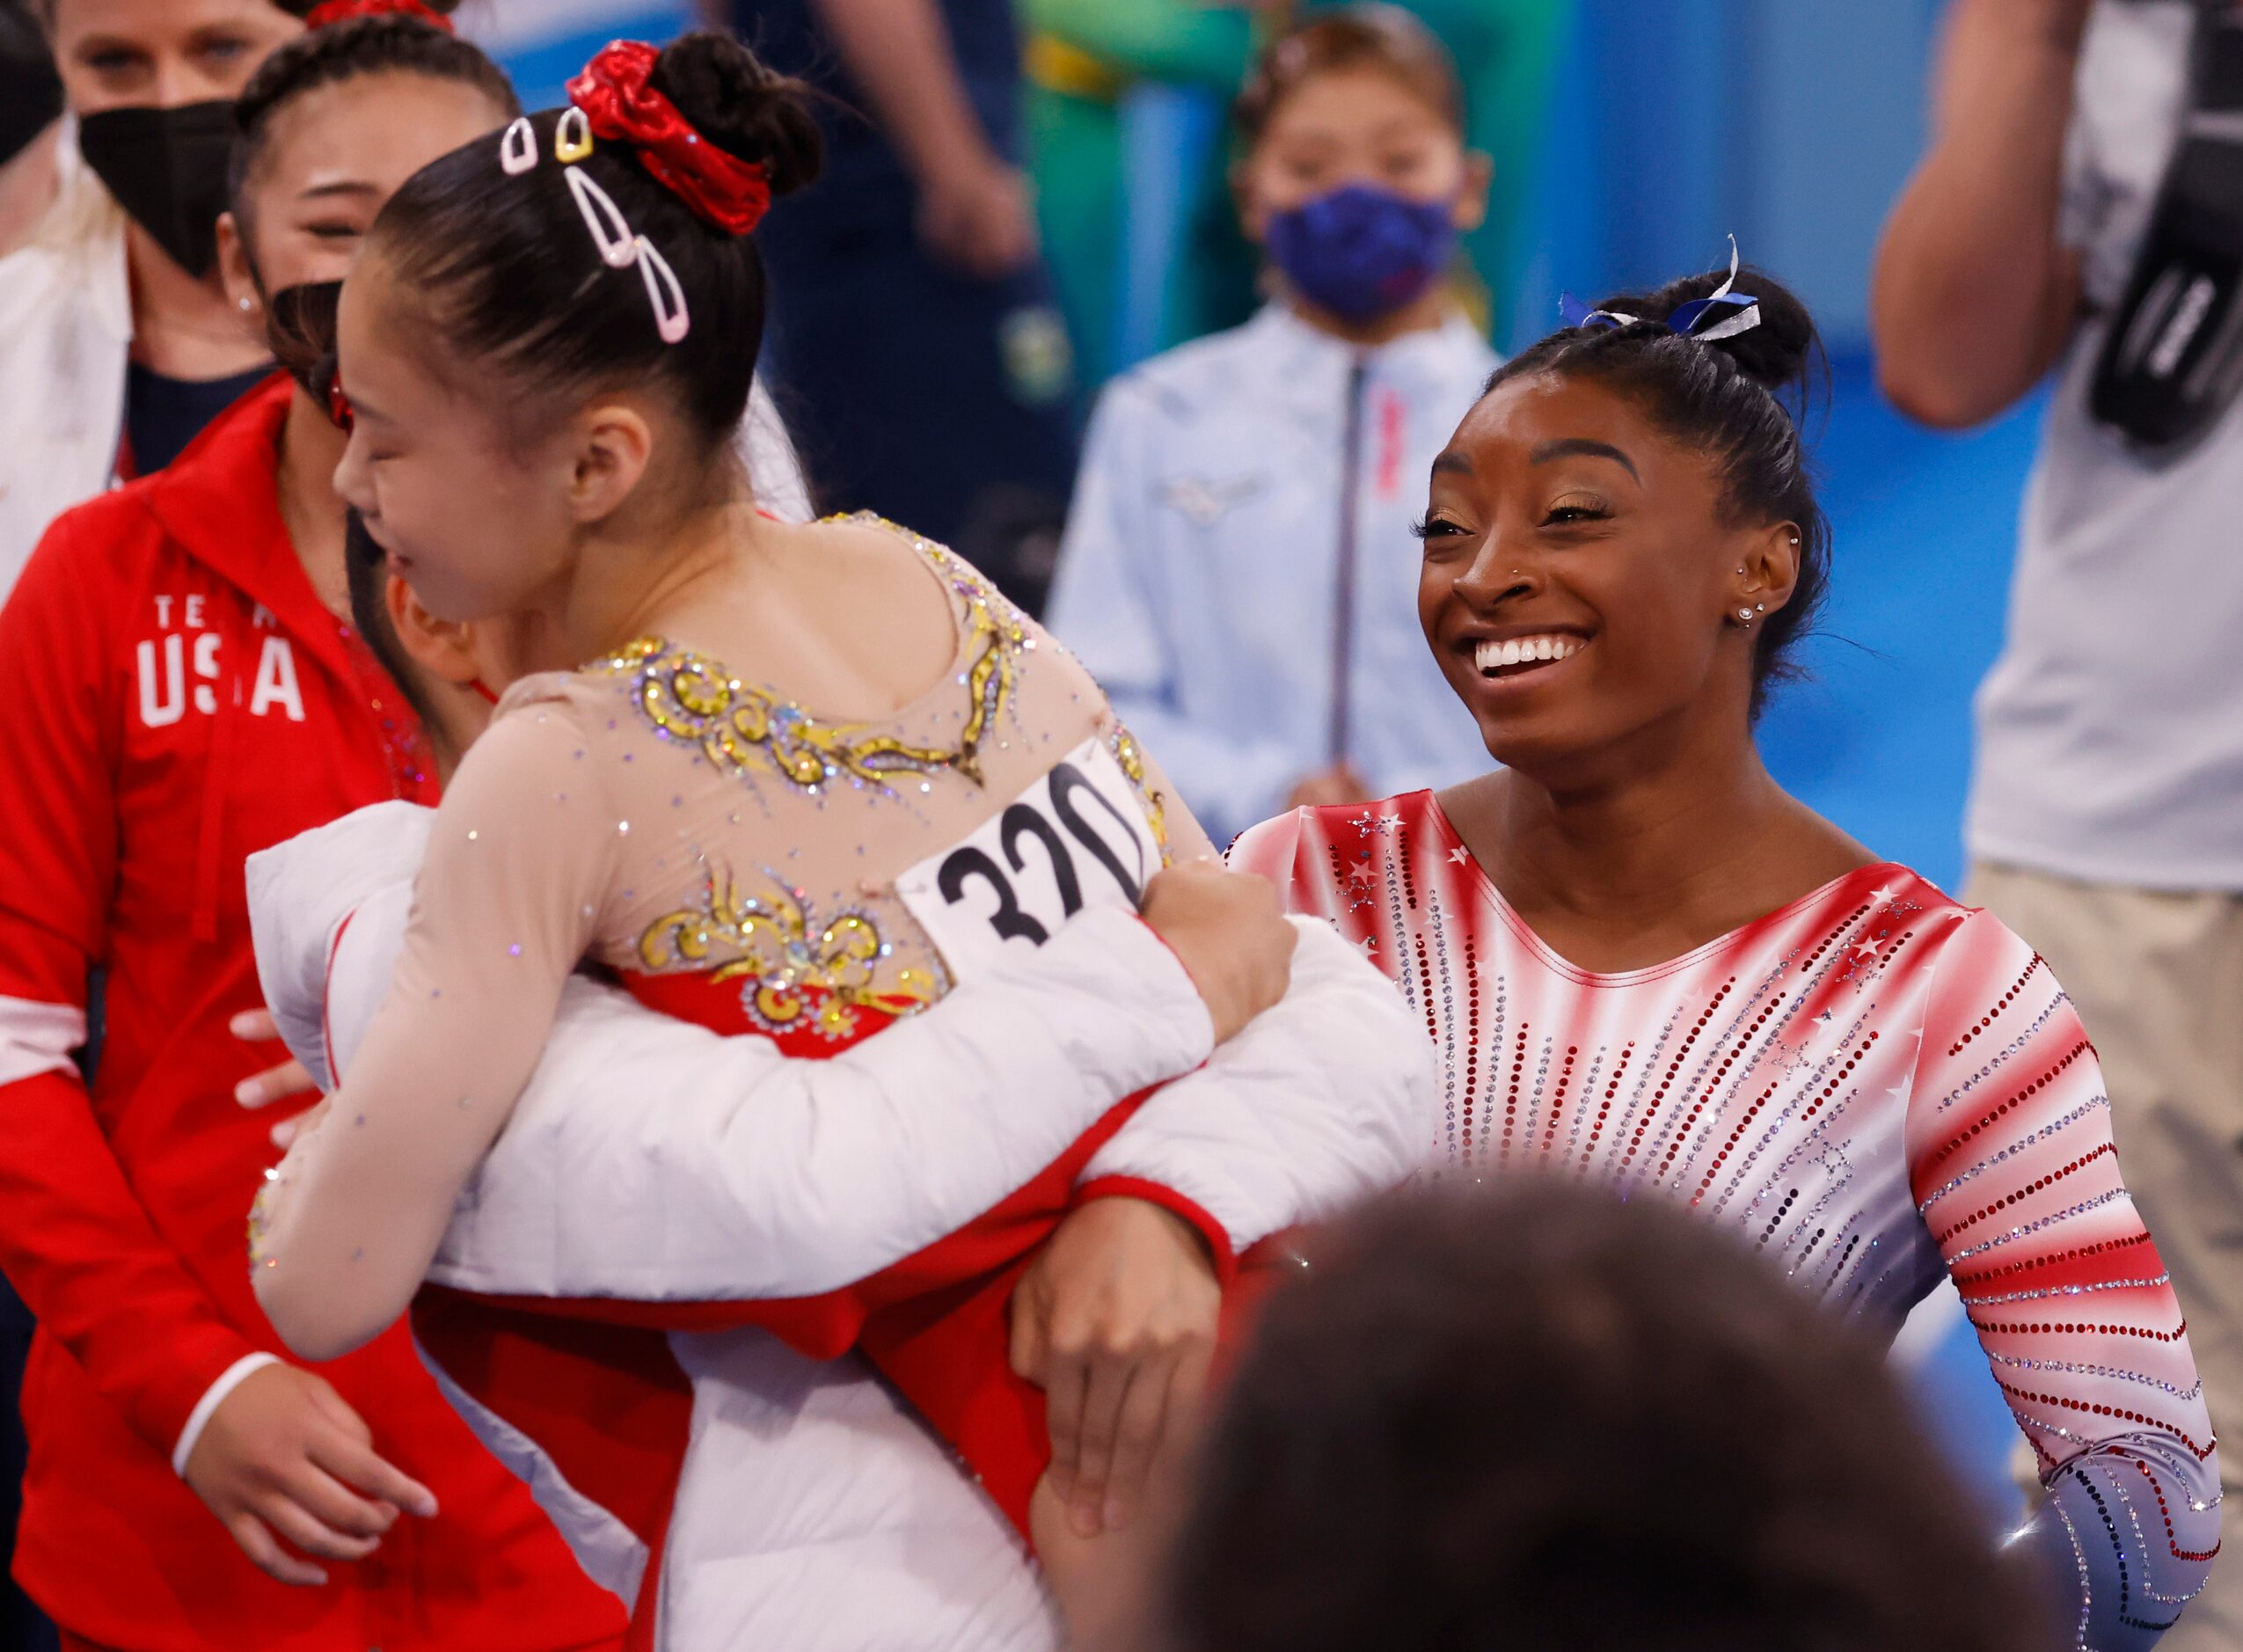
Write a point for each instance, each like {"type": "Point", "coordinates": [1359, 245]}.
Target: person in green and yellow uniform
{"type": "Point", "coordinates": [1083, 56]}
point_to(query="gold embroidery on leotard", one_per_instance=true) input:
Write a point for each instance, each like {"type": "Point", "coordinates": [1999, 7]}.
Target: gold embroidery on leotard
{"type": "Point", "coordinates": [796, 968]}
{"type": "Point", "coordinates": [740, 727]}
{"type": "Point", "coordinates": [1131, 757]}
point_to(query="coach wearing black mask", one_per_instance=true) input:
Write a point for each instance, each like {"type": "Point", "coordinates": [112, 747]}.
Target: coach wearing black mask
{"type": "Point", "coordinates": [117, 341]}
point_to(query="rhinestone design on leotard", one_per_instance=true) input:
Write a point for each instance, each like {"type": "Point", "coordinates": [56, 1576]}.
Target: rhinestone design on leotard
{"type": "Point", "coordinates": [743, 728]}
{"type": "Point", "coordinates": [1871, 1087]}
{"type": "Point", "coordinates": [797, 967]}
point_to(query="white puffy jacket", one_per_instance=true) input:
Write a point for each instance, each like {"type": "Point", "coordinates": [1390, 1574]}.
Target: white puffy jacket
{"type": "Point", "coordinates": [816, 1514]}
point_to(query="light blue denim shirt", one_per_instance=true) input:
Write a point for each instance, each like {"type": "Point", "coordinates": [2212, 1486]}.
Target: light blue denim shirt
{"type": "Point", "coordinates": [1241, 525]}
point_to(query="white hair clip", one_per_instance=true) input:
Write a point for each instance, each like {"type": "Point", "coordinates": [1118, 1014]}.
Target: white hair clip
{"type": "Point", "coordinates": [518, 149]}
{"type": "Point", "coordinates": [671, 319]}
{"type": "Point", "coordinates": [610, 232]}
{"type": "Point", "coordinates": [572, 135]}
{"type": "Point", "coordinates": [620, 248]}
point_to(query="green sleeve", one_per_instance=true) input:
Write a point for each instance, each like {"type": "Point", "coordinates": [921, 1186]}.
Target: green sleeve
{"type": "Point", "coordinates": [1183, 41]}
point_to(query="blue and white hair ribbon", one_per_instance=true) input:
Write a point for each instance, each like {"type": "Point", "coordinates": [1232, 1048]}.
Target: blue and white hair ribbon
{"type": "Point", "coordinates": [1575, 313]}
{"type": "Point", "coordinates": [1688, 320]}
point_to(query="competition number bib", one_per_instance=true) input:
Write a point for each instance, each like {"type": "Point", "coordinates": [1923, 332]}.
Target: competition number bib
{"type": "Point", "coordinates": [1078, 838]}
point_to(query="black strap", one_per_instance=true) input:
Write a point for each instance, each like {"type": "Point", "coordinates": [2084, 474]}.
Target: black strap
{"type": "Point", "coordinates": [2172, 362]}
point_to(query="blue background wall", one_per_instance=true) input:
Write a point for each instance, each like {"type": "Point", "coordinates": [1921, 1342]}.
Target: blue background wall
{"type": "Point", "coordinates": [1790, 124]}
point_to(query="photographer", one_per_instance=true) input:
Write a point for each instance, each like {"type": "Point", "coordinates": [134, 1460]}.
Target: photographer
{"type": "Point", "coordinates": [2079, 203]}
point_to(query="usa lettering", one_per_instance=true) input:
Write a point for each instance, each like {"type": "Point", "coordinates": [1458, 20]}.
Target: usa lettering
{"type": "Point", "coordinates": [183, 667]}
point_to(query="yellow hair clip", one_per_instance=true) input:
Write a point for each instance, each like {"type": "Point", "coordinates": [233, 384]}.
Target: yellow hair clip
{"type": "Point", "coordinates": [572, 136]}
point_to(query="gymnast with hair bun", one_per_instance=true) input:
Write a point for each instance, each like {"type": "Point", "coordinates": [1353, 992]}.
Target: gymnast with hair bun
{"type": "Point", "coordinates": [822, 784]}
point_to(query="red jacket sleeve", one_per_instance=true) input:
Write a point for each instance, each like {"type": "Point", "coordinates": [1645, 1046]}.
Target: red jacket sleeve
{"type": "Point", "coordinates": [75, 1240]}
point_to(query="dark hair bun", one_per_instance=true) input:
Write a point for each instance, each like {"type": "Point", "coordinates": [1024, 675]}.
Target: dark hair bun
{"type": "Point", "coordinates": [745, 107]}
{"type": "Point", "coordinates": [1777, 354]}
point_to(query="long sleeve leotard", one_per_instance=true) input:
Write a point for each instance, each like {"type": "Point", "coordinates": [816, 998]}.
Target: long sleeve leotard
{"type": "Point", "coordinates": [1872, 1085]}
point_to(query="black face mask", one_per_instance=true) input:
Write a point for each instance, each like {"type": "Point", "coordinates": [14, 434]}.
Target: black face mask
{"type": "Point", "coordinates": [300, 328]}
{"type": "Point", "coordinates": [167, 169]}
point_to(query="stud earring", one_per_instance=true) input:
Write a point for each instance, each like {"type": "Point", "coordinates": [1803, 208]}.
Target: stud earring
{"type": "Point", "coordinates": [1743, 616]}
{"type": "Point", "coordinates": [1794, 538]}
{"type": "Point", "coordinates": [244, 306]}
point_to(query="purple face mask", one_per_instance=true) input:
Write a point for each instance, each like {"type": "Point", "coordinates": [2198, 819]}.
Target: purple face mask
{"type": "Point", "coordinates": [1362, 251]}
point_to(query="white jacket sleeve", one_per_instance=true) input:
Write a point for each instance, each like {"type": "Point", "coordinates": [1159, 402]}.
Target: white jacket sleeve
{"type": "Point", "coordinates": [1106, 603]}
{"type": "Point", "coordinates": [1322, 1099]}
{"type": "Point", "coordinates": [654, 1160]}
{"type": "Point", "coordinates": [774, 467]}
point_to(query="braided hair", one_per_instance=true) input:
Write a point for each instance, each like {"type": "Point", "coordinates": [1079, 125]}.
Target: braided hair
{"type": "Point", "coordinates": [1742, 401]}
{"type": "Point", "coordinates": [392, 42]}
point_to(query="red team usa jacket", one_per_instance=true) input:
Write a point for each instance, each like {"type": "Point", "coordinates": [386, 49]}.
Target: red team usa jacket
{"type": "Point", "coordinates": [176, 697]}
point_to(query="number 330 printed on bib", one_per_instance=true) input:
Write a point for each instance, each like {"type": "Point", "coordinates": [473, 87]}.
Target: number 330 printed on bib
{"type": "Point", "coordinates": [1078, 838]}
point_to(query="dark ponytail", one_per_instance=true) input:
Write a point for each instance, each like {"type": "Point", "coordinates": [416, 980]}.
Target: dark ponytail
{"type": "Point", "coordinates": [509, 275]}
{"type": "Point", "coordinates": [391, 42]}
{"type": "Point", "coordinates": [1743, 400]}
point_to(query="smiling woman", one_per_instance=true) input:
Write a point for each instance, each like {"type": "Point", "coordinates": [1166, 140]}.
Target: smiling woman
{"type": "Point", "coordinates": [1644, 964]}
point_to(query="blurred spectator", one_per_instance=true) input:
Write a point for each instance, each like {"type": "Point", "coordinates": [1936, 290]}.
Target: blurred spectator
{"type": "Point", "coordinates": [1507, 53]}
{"type": "Point", "coordinates": [117, 340]}
{"type": "Point", "coordinates": [31, 100]}
{"type": "Point", "coordinates": [2069, 192]}
{"type": "Point", "coordinates": [1084, 56]}
{"type": "Point", "coordinates": [1547, 1419]}
{"type": "Point", "coordinates": [1239, 571]}
{"type": "Point", "coordinates": [918, 352]}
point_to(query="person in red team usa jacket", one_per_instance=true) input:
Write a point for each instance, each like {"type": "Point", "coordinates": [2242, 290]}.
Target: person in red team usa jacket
{"type": "Point", "coordinates": [182, 693]}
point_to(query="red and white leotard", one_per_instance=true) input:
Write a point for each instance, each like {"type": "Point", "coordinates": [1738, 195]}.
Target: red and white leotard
{"type": "Point", "coordinates": [1870, 1084]}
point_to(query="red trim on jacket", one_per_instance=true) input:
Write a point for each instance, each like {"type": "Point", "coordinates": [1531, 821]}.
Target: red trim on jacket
{"type": "Point", "coordinates": [1212, 1232]}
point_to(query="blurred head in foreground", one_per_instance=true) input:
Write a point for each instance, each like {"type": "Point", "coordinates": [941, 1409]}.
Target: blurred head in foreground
{"type": "Point", "coordinates": [1546, 1419]}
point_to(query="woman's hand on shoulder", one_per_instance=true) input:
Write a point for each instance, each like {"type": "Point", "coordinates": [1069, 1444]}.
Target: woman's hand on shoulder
{"type": "Point", "coordinates": [1228, 931]}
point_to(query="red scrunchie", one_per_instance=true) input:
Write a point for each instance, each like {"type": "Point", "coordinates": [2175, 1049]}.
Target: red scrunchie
{"type": "Point", "coordinates": [344, 10]}
{"type": "Point", "coordinates": [613, 91]}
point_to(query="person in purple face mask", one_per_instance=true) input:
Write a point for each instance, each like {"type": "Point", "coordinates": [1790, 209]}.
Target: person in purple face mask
{"type": "Point", "coordinates": [1238, 571]}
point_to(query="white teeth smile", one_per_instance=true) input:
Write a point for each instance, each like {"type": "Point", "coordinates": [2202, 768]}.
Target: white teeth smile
{"type": "Point", "coordinates": [1495, 657]}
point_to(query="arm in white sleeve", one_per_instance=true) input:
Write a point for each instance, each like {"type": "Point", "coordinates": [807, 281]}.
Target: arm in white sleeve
{"type": "Point", "coordinates": [1108, 605]}
{"type": "Point", "coordinates": [774, 467]}
{"type": "Point", "coordinates": [650, 1160]}
{"type": "Point", "coordinates": [1324, 1099]}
